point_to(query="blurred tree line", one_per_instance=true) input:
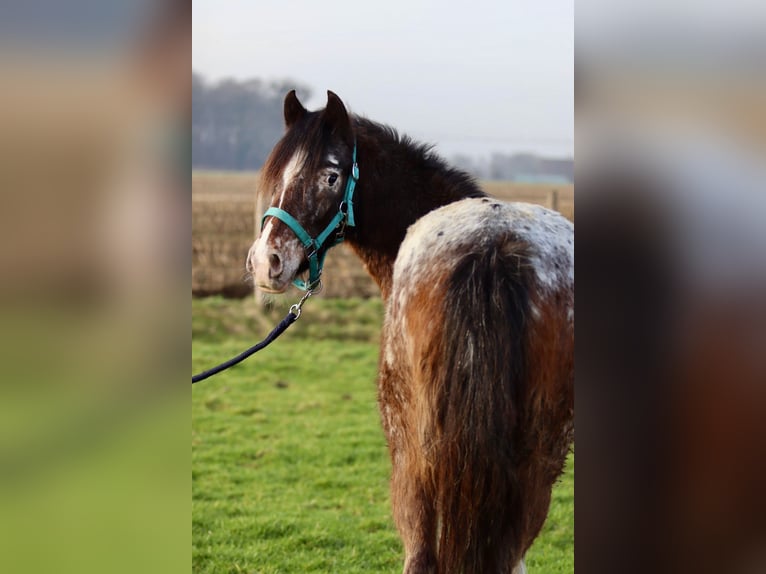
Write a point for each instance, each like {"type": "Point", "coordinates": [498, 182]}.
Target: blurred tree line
{"type": "Point", "coordinates": [236, 123]}
{"type": "Point", "coordinates": [518, 167]}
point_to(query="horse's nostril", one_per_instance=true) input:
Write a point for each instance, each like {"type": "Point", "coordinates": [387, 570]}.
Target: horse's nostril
{"type": "Point", "coordinates": [275, 265]}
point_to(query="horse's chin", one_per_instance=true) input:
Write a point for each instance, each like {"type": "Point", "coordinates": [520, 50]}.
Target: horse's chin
{"type": "Point", "coordinates": [274, 289]}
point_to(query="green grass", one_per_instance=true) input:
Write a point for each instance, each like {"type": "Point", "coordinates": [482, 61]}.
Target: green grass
{"type": "Point", "coordinates": [289, 465]}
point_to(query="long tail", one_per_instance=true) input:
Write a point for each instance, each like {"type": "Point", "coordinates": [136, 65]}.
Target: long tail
{"type": "Point", "coordinates": [475, 454]}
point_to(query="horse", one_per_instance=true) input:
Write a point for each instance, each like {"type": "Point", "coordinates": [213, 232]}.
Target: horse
{"type": "Point", "coordinates": [476, 367]}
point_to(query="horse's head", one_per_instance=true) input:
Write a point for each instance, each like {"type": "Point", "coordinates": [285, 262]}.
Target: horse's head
{"type": "Point", "coordinates": [304, 177]}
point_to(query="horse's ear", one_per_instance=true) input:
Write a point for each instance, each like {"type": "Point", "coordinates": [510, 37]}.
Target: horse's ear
{"type": "Point", "coordinates": [336, 117]}
{"type": "Point", "coordinates": [294, 110]}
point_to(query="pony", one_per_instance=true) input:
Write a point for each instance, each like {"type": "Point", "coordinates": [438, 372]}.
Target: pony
{"type": "Point", "coordinates": [476, 367]}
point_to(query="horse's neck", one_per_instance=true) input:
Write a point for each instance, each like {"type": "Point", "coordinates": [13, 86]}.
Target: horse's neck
{"type": "Point", "coordinates": [399, 183]}
{"type": "Point", "coordinates": [379, 265]}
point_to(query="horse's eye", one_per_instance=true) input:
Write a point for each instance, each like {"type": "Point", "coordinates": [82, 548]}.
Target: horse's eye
{"type": "Point", "coordinates": [332, 179]}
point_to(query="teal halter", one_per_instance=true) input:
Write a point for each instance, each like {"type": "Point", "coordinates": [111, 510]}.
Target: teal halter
{"type": "Point", "coordinates": [344, 217]}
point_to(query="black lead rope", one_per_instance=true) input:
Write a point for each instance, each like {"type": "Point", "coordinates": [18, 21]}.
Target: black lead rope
{"type": "Point", "coordinates": [278, 330]}
{"type": "Point", "coordinates": [292, 316]}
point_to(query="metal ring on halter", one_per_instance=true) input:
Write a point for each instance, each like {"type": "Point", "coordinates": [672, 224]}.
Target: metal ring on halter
{"type": "Point", "coordinates": [295, 308]}
{"type": "Point", "coordinates": [340, 229]}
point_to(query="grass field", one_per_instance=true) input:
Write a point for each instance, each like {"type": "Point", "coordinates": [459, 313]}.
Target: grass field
{"type": "Point", "coordinates": [289, 465]}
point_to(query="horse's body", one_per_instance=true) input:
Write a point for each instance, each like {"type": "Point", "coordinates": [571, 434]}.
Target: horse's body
{"type": "Point", "coordinates": [476, 367]}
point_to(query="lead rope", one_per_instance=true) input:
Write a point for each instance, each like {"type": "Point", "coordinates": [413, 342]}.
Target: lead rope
{"type": "Point", "coordinates": [292, 316]}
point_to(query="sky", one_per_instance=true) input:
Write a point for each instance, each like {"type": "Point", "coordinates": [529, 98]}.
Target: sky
{"type": "Point", "coordinates": [471, 77]}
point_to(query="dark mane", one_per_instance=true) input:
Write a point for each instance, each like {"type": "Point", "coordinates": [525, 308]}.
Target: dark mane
{"type": "Point", "coordinates": [401, 180]}
{"type": "Point", "coordinates": [457, 182]}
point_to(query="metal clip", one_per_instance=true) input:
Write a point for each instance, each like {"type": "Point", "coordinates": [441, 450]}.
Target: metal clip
{"type": "Point", "coordinates": [295, 309]}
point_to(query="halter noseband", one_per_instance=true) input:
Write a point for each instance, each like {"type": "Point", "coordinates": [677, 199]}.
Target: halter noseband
{"type": "Point", "coordinates": [344, 217]}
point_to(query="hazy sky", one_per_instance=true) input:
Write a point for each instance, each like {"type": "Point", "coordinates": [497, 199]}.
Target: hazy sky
{"type": "Point", "coordinates": [469, 76]}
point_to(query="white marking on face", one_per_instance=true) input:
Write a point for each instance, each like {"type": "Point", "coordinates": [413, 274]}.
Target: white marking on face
{"type": "Point", "coordinates": [290, 250]}
{"type": "Point", "coordinates": [333, 160]}
{"type": "Point", "coordinates": [263, 241]}
{"type": "Point", "coordinates": [291, 172]}
{"type": "Point", "coordinates": [259, 256]}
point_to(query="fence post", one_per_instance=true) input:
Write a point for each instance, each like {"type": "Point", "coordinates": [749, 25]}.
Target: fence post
{"type": "Point", "coordinates": [555, 199]}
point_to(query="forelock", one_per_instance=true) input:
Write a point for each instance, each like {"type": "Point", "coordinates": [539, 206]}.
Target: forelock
{"type": "Point", "coordinates": [308, 136]}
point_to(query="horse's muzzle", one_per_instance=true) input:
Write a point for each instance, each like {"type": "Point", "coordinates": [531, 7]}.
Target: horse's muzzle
{"type": "Point", "coordinates": [274, 261]}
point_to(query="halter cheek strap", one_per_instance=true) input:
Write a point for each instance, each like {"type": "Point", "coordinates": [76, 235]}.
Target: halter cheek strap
{"type": "Point", "coordinates": [344, 217]}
